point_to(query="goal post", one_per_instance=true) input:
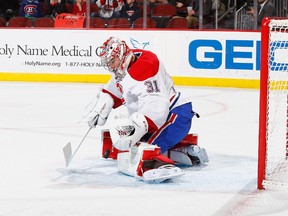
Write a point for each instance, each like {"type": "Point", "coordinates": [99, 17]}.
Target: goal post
{"type": "Point", "coordinates": [273, 112]}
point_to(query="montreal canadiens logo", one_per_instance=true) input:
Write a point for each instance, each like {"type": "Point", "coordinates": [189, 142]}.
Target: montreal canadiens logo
{"type": "Point", "coordinates": [30, 9]}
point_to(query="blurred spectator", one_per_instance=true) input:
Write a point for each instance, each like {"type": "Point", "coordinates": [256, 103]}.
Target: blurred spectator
{"type": "Point", "coordinates": [9, 8]}
{"type": "Point", "coordinates": [265, 9]}
{"type": "Point", "coordinates": [55, 7]}
{"type": "Point", "coordinates": [181, 6]}
{"type": "Point", "coordinates": [30, 9]}
{"type": "Point", "coordinates": [110, 8]}
{"type": "Point", "coordinates": [152, 3]}
{"type": "Point", "coordinates": [130, 11]}
{"type": "Point", "coordinates": [79, 7]}
{"type": "Point", "coordinates": [162, 1]}
{"type": "Point", "coordinates": [220, 6]}
{"type": "Point", "coordinates": [193, 13]}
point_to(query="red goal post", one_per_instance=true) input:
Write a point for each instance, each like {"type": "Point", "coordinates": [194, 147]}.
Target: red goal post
{"type": "Point", "coordinates": [273, 113]}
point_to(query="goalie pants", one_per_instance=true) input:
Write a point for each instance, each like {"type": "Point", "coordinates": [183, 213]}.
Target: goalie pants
{"type": "Point", "coordinates": [176, 127]}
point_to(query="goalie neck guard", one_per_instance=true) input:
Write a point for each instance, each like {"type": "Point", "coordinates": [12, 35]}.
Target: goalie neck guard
{"type": "Point", "coordinates": [114, 47]}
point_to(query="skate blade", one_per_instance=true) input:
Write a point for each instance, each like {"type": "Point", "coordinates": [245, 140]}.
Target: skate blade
{"type": "Point", "coordinates": [162, 174]}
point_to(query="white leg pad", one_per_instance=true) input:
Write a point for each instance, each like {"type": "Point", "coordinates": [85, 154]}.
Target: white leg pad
{"type": "Point", "coordinates": [124, 164]}
{"type": "Point", "coordinates": [128, 162]}
{"type": "Point", "coordinates": [131, 162]}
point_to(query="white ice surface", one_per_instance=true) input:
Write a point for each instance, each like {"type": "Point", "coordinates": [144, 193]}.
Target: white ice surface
{"type": "Point", "coordinates": [38, 119]}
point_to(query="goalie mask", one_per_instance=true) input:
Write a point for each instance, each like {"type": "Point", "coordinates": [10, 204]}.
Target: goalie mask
{"type": "Point", "coordinates": [111, 49]}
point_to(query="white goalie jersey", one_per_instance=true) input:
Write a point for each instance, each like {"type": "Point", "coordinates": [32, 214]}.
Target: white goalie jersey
{"type": "Point", "coordinates": [146, 88]}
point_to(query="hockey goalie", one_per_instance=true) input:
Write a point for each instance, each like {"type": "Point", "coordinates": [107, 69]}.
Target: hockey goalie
{"type": "Point", "coordinates": [154, 137]}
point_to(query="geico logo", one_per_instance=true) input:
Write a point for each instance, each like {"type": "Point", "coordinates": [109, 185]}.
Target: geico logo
{"type": "Point", "coordinates": [227, 54]}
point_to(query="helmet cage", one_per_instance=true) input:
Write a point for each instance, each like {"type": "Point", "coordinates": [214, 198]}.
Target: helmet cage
{"type": "Point", "coordinates": [112, 48]}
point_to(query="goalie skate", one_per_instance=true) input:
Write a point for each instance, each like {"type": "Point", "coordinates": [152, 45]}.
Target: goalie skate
{"type": "Point", "coordinates": [189, 155]}
{"type": "Point", "coordinates": [163, 173]}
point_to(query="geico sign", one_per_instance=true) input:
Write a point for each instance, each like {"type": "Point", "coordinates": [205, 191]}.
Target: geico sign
{"type": "Point", "coordinates": [232, 54]}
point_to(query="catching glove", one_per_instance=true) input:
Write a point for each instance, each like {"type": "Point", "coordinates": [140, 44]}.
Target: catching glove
{"type": "Point", "coordinates": [125, 133]}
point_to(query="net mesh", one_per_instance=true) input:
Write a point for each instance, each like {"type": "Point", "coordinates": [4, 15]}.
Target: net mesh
{"type": "Point", "coordinates": [276, 175]}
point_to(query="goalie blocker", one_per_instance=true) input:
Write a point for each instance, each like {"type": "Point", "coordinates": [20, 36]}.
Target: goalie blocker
{"type": "Point", "coordinates": [145, 161]}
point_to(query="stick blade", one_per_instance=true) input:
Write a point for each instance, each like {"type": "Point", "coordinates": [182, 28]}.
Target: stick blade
{"type": "Point", "coordinates": [67, 150]}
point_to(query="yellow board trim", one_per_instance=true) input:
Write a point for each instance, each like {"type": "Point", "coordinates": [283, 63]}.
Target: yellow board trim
{"type": "Point", "coordinates": [101, 78]}
{"type": "Point", "coordinates": [81, 78]}
{"type": "Point", "coordinates": [217, 82]}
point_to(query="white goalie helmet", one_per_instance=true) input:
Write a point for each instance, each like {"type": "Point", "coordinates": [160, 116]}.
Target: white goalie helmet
{"type": "Point", "coordinates": [114, 47]}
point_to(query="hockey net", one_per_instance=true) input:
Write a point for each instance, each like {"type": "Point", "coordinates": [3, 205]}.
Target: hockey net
{"type": "Point", "coordinates": [273, 120]}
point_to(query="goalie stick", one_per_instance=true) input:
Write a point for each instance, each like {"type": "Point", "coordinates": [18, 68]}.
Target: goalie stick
{"type": "Point", "coordinates": [67, 150]}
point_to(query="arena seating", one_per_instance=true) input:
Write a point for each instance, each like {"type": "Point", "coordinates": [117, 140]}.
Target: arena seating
{"type": "Point", "coordinates": [47, 22]}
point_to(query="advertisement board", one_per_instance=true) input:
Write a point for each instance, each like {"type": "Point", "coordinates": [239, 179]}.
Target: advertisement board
{"type": "Point", "coordinates": [198, 54]}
